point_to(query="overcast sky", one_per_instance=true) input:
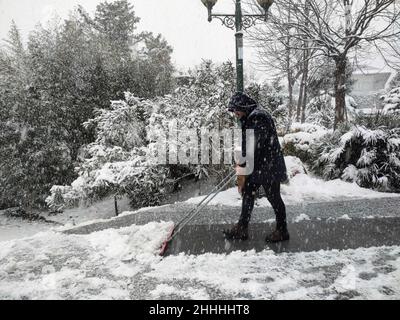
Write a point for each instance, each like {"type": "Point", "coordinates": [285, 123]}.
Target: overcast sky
{"type": "Point", "coordinates": [182, 22]}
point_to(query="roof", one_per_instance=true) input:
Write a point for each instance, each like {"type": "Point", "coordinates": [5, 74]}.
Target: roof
{"type": "Point", "coordinates": [368, 83]}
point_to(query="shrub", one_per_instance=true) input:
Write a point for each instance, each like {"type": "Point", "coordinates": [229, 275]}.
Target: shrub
{"type": "Point", "coordinates": [371, 158]}
{"type": "Point", "coordinates": [117, 162]}
{"type": "Point", "coordinates": [300, 139]}
{"type": "Point", "coordinates": [320, 111]}
{"type": "Point", "coordinates": [392, 101]}
{"type": "Point", "coordinates": [378, 120]}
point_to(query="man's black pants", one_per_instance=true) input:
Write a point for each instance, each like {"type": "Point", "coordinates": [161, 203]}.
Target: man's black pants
{"type": "Point", "coordinates": [273, 192]}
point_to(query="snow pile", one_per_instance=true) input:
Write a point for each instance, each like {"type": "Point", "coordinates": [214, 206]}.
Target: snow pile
{"type": "Point", "coordinates": [302, 188]}
{"type": "Point", "coordinates": [302, 217]}
{"type": "Point", "coordinates": [308, 188]}
{"type": "Point", "coordinates": [294, 166]}
{"type": "Point", "coordinates": [306, 127]}
{"type": "Point", "coordinates": [58, 266]}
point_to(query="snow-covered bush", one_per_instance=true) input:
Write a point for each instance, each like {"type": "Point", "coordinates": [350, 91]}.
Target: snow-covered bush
{"type": "Point", "coordinates": [300, 139]}
{"type": "Point", "coordinates": [122, 124]}
{"type": "Point", "coordinates": [392, 101]}
{"type": "Point", "coordinates": [378, 120]}
{"type": "Point", "coordinates": [31, 161]}
{"type": "Point", "coordinates": [371, 158]}
{"type": "Point", "coordinates": [116, 162]}
{"type": "Point", "coordinates": [62, 197]}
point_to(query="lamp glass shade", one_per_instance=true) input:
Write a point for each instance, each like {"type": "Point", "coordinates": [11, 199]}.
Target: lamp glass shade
{"type": "Point", "coordinates": [209, 3]}
{"type": "Point", "coordinates": [265, 4]}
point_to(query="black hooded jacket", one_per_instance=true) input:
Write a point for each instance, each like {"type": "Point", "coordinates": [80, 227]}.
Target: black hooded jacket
{"type": "Point", "coordinates": [269, 163]}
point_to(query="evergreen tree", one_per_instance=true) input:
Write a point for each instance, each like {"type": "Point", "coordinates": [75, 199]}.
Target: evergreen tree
{"type": "Point", "coordinates": [50, 88]}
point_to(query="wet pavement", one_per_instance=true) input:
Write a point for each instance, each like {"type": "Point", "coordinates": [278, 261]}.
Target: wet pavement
{"type": "Point", "coordinates": [305, 236]}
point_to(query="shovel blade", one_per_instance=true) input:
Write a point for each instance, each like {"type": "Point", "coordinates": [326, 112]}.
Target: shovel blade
{"type": "Point", "coordinates": [164, 245]}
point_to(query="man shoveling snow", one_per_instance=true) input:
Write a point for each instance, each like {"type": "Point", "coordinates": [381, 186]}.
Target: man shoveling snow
{"type": "Point", "coordinates": [268, 167]}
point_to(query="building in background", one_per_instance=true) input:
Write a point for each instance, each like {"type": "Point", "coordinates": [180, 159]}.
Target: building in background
{"type": "Point", "coordinates": [369, 85]}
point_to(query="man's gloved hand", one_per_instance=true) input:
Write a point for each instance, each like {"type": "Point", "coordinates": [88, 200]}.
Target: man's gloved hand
{"type": "Point", "coordinates": [241, 179]}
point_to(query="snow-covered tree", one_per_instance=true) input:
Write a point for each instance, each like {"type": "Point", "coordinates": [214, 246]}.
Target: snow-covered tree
{"type": "Point", "coordinates": [50, 86]}
{"type": "Point", "coordinates": [336, 28]}
{"type": "Point", "coordinates": [117, 162]}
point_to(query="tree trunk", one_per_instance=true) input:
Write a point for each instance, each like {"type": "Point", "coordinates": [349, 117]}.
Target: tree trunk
{"type": "Point", "coordinates": [303, 86]}
{"type": "Point", "coordinates": [340, 91]}
{"type": "Point", "coordinates": [290, 88]}
{"type": "Point", "coordinates": [289, 78]}
{"type": "Point", "coordinates": [300, 101]}
{"type": "Point", "coordinates": [305, 83]}
{"type": "Point", "coordinates": [304, 102]}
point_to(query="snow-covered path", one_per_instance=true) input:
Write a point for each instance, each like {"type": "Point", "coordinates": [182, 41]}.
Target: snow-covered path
{"type": "Point", "coordinates": [105, 263]}
{"type": "Point", "coordinates": [123, 264]}
{"type": "Point", "coordinates": [303, 190]}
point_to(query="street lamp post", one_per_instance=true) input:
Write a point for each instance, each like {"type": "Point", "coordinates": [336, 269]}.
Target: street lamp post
{"type": "Point", "coordinates": [238, 22]}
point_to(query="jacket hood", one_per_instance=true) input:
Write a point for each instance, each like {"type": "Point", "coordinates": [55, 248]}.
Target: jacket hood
{"type": "Point", "coordinates": [241, 102]}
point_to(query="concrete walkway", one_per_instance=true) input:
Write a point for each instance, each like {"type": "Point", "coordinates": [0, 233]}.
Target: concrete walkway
{"type": "Point", "coordinates": [305, 236]}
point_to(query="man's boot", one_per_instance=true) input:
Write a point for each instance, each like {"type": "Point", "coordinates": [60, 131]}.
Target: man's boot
{"type": "Point", "coordinates": [278, 235]}
{"type": "Point", "coordinates": [238, 232]}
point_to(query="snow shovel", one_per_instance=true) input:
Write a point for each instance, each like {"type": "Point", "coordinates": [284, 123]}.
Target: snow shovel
{"type": "Point", "coordinates": [193, 212]}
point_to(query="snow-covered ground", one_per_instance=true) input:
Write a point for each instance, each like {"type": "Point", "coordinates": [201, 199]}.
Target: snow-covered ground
{"type": "Point", "coordinates": [304, 188]}
{"type": "Point", "coordinates": [14, 228]}
{"type": "Point", "coordinates": [123, 264]}
{"type": "Point", "coordinates": [39, 262]}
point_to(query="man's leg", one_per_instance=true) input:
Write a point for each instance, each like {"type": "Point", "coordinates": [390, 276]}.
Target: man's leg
{"type": "Point", "coordinates": [273, 192]}
{"type": "Point", "coordinates": [240, 230]}
{"type": "Point", "coordinates": [249, 194]}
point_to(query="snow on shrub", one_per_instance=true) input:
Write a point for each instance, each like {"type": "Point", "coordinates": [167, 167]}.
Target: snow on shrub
{"type": "Point", "coordinates": [392, 101]}
{"type": "Point", "coordinates": [116, 162]}
{"type": "Point", "coordinates": [136, 177]}
{"type": "Point", "coordinates": [121, 125]}
{"type": "Point", "coordinates": [294, 166]}
{"type": "Point", "coordinates": [365, 156]}
{"type": "Point", "coordinates": [302, 137]}
{"type": "Point", "coordinates": [320, 111]}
